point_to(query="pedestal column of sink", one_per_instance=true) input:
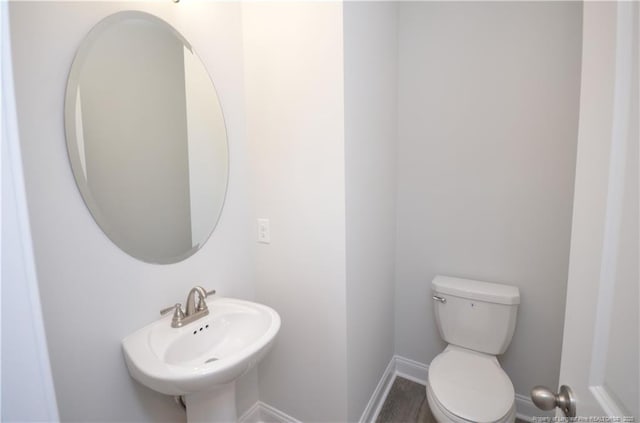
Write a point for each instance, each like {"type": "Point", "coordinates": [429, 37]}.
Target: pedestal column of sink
{"type": "Point", "coordinates": [213, 406]}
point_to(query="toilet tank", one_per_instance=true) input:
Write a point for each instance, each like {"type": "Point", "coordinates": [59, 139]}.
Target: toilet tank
{"type": "Point", "coordinates": [479, 316]}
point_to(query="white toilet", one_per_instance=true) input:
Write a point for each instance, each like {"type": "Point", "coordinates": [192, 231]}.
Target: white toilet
{"type": "Point", "coordinates": [477, 320]}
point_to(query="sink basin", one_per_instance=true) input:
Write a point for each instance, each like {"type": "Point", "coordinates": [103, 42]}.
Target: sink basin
{"type": "Point", "coordinates": [206, 355]}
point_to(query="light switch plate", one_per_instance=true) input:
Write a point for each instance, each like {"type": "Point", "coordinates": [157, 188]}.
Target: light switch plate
{"type": "Point", "coordinates": [264, 234]}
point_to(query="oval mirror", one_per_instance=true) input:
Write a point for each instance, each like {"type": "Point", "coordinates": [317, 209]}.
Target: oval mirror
{"type": "Point", "coordinates": [146, 137]}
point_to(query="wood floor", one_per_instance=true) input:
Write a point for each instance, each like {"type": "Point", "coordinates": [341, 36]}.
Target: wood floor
{"type": "Point", "coordinates": [407, 403]}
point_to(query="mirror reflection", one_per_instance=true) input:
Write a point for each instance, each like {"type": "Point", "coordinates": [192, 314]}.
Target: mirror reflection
{"type": "Point", "coordinates": [146, 137]}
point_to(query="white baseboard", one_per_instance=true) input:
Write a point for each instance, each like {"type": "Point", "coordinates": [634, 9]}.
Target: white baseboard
{"type": "Point", "coordinates": [264, 413]}
{"type": "Point", "coordinates": [412, 370]}
{"type": "Point", "coordinates": [372, 409]}
{"type": "Point", "coordinates": [252, 415]}
{"type": "Point", "coordinates": [526, 410]}
{"type": "Point", "coordinates": [418, 372]}
{"type": "Point", "coordinates": [398, 366]}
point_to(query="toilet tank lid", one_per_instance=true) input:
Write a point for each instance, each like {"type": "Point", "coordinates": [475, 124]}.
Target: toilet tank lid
{"type": "Point", "coordinates": [476, 290]}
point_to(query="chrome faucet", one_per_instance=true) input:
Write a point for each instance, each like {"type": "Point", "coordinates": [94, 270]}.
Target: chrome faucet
{"type": "Point", "coordinates": [193, 311]}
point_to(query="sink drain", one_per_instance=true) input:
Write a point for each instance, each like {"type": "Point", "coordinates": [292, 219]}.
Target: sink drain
{"type": "Point", "coordinates": [211, 360]}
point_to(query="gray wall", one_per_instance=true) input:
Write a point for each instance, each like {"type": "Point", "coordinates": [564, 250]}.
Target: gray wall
{"type": "Point", "coordinates": [93, 294]}
{"type": "Point", "coordinates": [295, 114]}
{"type": "Point", "coordinates": [487, 122]}
{"type": "Point", "coordinates": [487, 98]}
{"type": "Point", "coordinates": [25, 366]}
{"type": "Point", "coordinates": [370, 80]}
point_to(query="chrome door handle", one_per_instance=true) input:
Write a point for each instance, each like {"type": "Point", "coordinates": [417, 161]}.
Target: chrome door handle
{"type": "Point", "coordinates": [439, 298]}
{"type": "Point", "coordinates": [544, 399]}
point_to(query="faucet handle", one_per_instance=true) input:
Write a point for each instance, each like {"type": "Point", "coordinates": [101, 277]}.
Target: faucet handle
{"type": "Point", "coordinates": [202, 303]}
{"type": "Point", "coordinates": [178, 314]}
{"type": "Point", "coordinates": [168, 309]}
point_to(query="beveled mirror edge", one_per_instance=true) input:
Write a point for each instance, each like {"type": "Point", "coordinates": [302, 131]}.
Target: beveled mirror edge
{"type": "Point", "coordinates": [71, 136]}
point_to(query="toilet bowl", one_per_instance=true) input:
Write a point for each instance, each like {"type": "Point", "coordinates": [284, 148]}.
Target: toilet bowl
{"type": "Point", "coordinates": [466, 382]}
{"type": "Point", "coordinates": [467, 386]}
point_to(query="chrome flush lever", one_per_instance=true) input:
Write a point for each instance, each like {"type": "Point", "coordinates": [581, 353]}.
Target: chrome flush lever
{"type": "Point", "coordinates": [439, 298]}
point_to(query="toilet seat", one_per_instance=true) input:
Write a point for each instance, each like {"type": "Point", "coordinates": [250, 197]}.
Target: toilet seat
{"type": "Point", "coordinates": [469, 386]}
{"type": "Point", "coordinates": [441, 414]}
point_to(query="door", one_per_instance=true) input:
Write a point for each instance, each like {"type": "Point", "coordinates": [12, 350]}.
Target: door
{"type": "Point", "coordinates": [600, 346]}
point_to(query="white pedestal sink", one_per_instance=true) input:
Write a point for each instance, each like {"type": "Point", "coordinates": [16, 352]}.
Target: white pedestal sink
{"type": "Point", "coordinates": [202, 359]}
